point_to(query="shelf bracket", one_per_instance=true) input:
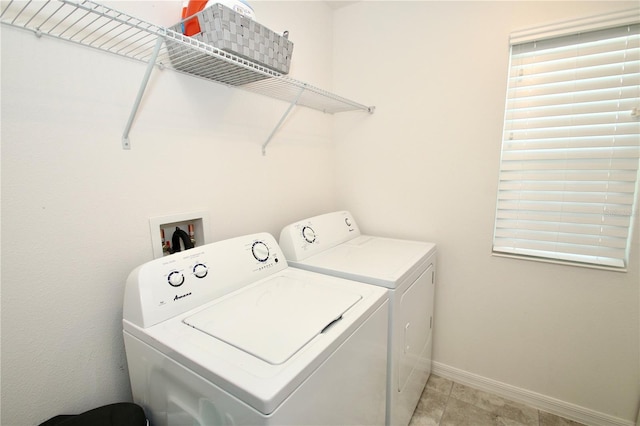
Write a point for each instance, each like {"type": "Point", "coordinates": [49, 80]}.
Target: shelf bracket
{"type": "Point", "coordinates": [295, 101]}
{"type": "Point", "coordinates": [126, 144]}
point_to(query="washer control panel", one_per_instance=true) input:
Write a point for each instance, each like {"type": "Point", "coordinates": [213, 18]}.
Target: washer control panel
{"type": "Point", "coordinates": [316, 234]}
{"type": "Point", "coordinates": [168, 286]}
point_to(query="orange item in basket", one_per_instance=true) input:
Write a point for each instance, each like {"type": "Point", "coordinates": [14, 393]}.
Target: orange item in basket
{"type": "Point", "coordinates": [192, 26]}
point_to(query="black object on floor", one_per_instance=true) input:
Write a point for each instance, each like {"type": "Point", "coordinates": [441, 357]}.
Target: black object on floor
{"type": "Point", "coordinates": [119, 414]}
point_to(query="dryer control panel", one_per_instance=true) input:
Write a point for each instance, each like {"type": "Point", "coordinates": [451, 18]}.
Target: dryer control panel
{"type": "Point", "coordinates": [174, 284]}
{"type": "Point", "coordinates": [317, 234]}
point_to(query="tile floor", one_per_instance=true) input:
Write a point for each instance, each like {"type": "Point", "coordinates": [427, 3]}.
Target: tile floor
{"type": "Point", "coordinates": [446, 403]}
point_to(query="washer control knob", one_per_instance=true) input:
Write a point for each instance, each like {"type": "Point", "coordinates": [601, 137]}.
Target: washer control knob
{"type": "Point", "coordinates": [175, 278]}
{"type": "Point", "coordinates": [260, 251]}
{"type": "Point", "coordinates": [200, 270]}
{"type": "Point", "coordinates": [347, 221]}
{"type": "Point", "coordinates": [308, 234]}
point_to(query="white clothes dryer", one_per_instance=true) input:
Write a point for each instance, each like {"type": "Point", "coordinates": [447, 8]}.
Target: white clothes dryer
{"type": "Point", "coordinates": [332, 244]}
{"type": "Point", "coordinates": [227, 333]}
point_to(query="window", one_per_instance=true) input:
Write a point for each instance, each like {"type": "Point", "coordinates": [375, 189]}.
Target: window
{"type": "Point", "coordinates": [568, 178]}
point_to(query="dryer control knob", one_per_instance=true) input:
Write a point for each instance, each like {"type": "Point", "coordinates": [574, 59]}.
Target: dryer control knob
{"type": "Point", "coordinates": [200, 270]}
{"type": "Point", "coordinates": [175, 278]}
{"type": "Point", "coordinates": [308, 234]}
{"type": "Point", "coordinates": [260, 251]}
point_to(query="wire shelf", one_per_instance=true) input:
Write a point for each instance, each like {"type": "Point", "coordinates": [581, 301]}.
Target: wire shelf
{"type": "Point", "coordinates": [97, 26]}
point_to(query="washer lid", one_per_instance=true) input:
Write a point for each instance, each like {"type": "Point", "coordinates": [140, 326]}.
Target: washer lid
{"type": "Point", "coordinates": [275, 319]}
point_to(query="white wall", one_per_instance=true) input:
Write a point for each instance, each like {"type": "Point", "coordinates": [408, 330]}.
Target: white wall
{"type": "Point", "coordinates": [76, 206]}
{"type": "Point", "coordinates": [425, 165]}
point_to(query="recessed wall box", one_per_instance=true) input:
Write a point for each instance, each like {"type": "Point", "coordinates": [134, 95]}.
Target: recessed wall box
{"type": "Point", "coordinates": [195, 224]}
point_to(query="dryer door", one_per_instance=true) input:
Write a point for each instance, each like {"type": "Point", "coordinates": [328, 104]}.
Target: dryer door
{"type": "Point", "coordinates": [415, 317]}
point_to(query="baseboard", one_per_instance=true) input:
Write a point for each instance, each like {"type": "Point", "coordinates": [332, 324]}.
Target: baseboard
{"type": "Point", "coordinates": [533, 399]}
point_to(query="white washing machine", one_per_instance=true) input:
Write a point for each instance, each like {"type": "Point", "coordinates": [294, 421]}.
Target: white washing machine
{"type": "Point", "coordinates": [332, 244]}
{"type": "Point", "coordinates": [227, 333]}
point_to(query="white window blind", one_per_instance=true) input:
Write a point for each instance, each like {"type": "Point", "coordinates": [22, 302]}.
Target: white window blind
{"type": "Point", "coordinates": [571, 146]}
